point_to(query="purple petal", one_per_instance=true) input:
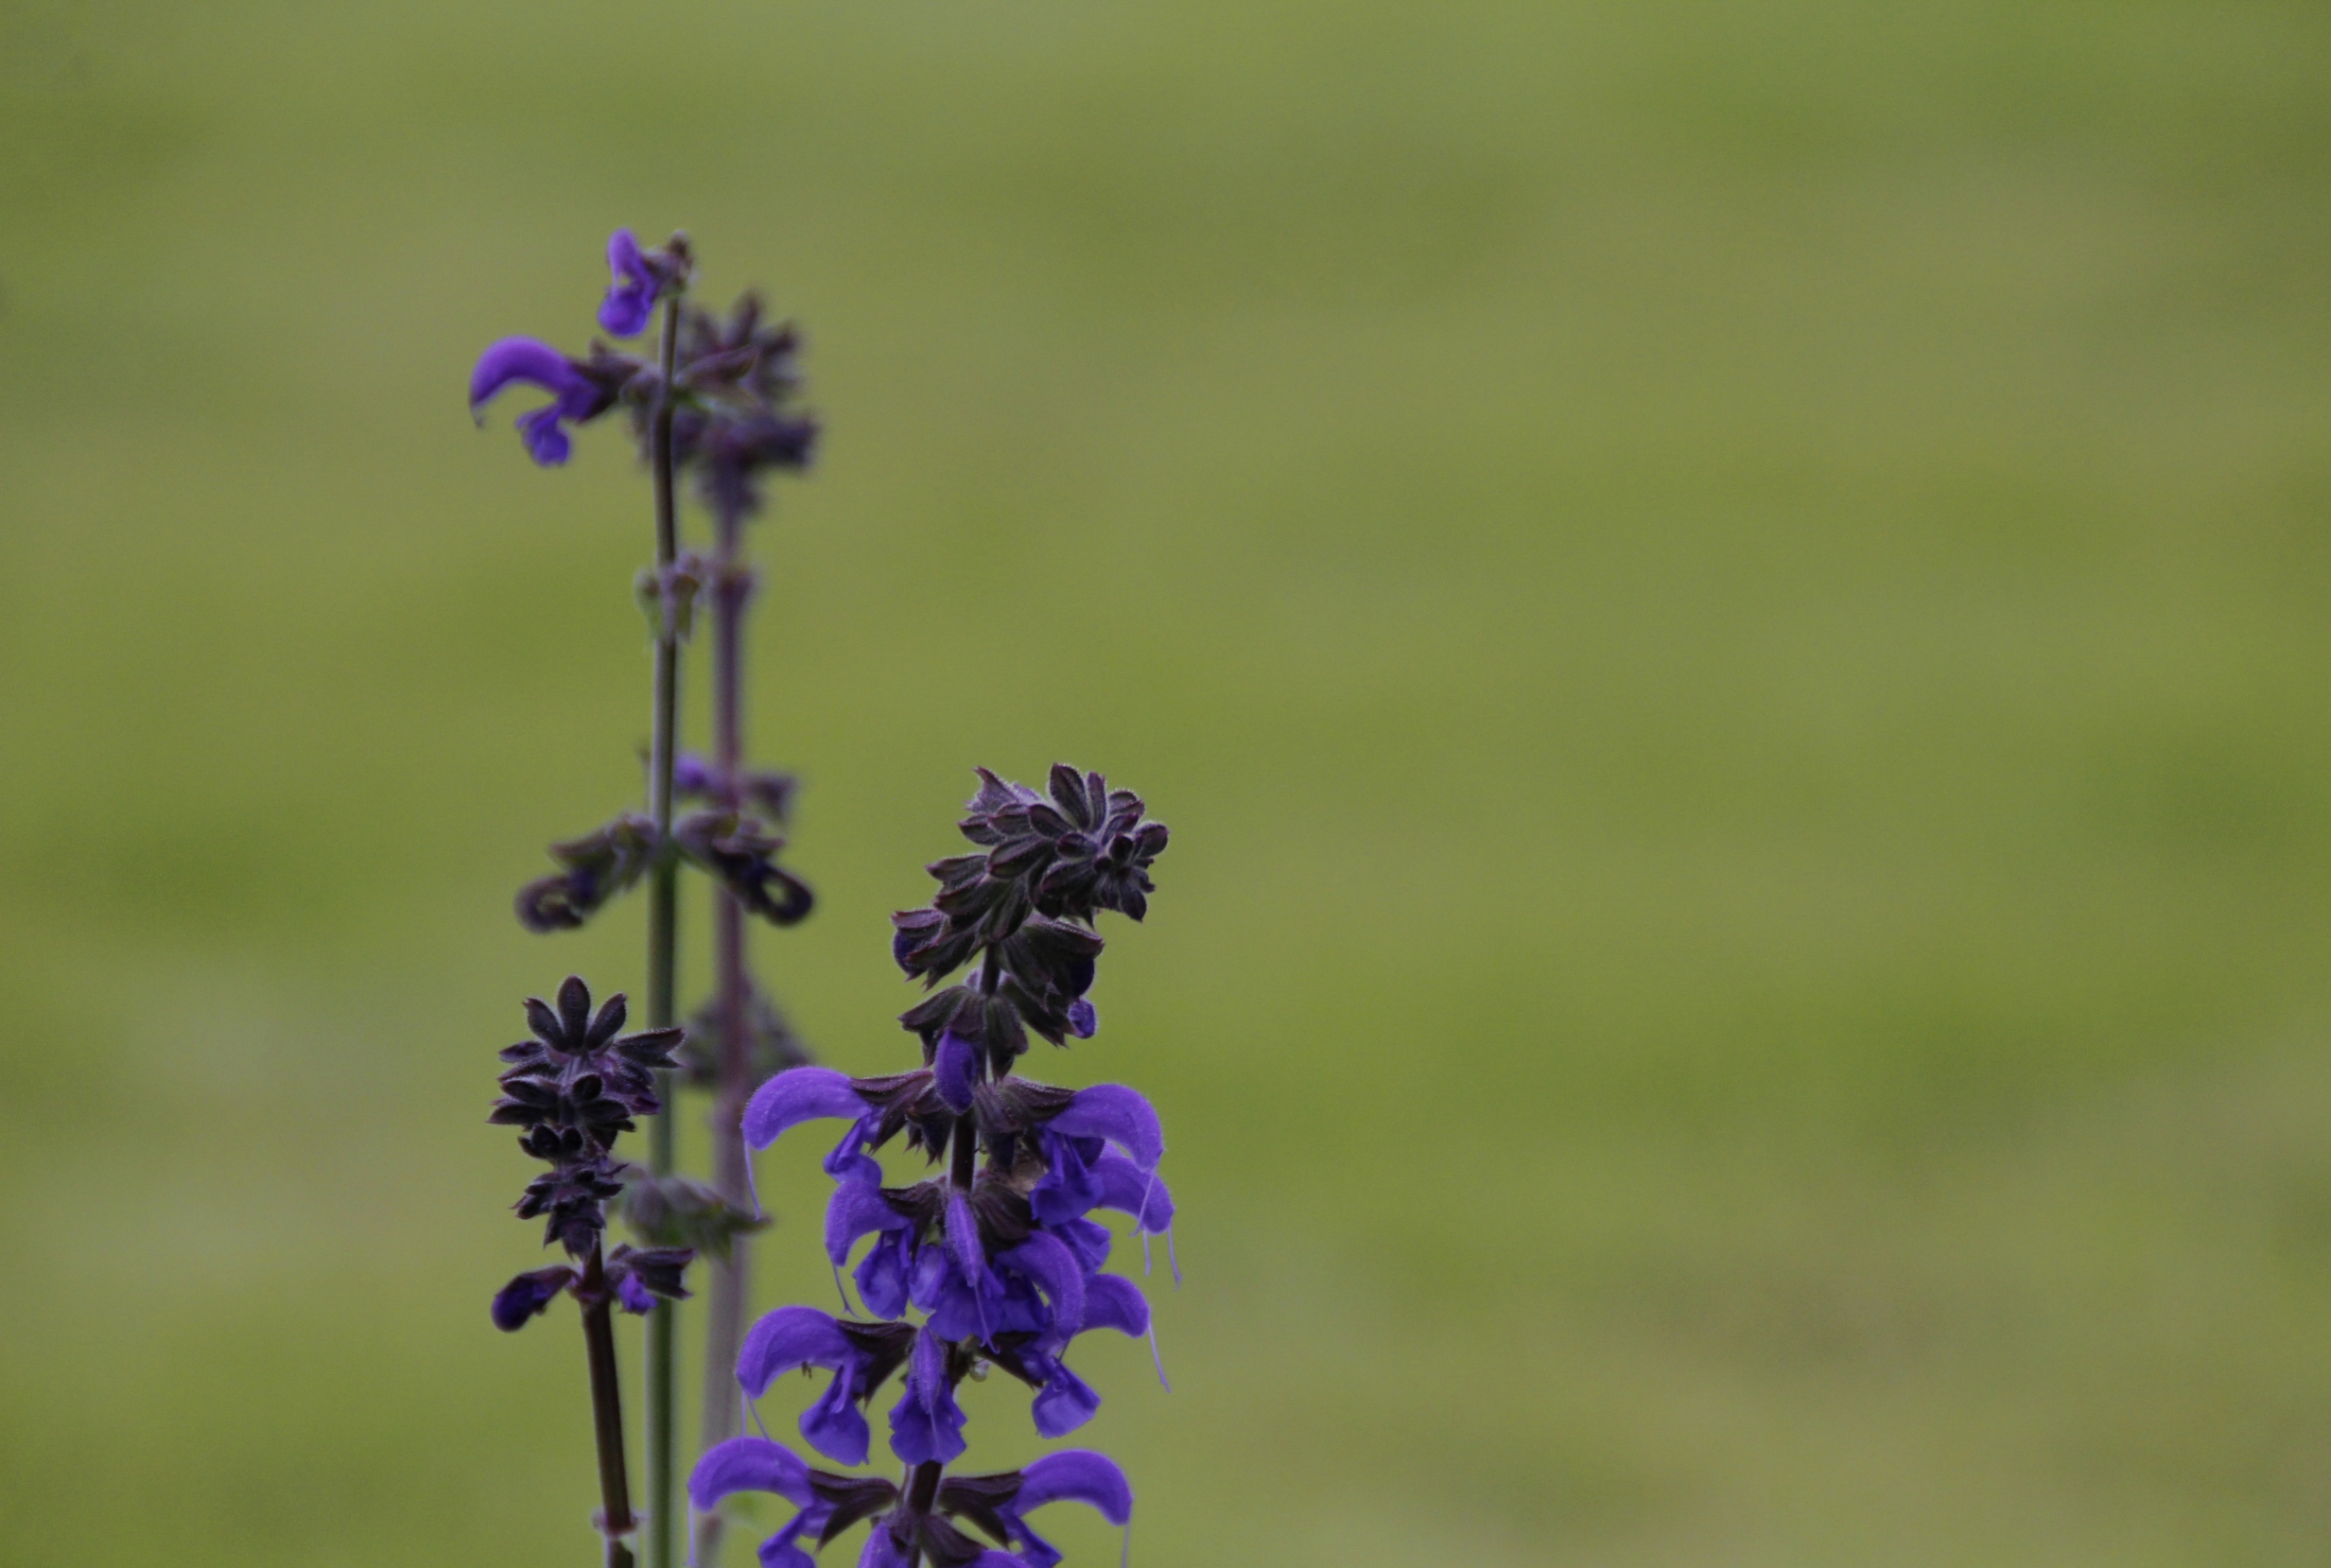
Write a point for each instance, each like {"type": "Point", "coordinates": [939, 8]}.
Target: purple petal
{"type": "Point", "coordinates": [630, 297]}
{"type": "Point", "coordinates": [1066, 1402]}
{"type": "Point", "coordinates": [796, 1096]}
{"type": "Point", "coordinates": [528, 1294]}
{"type": "Point", "coordinates": [856, 1208]}
{"type": "Point", "coordinates": [833, 1425]}
{"type": "Point", "coordinates": [1084, 1021]}
{"type": "Point", "coordinates": [527, 360]}
{"type": "Point", "coordinates": [1117, 1113]}
{"type": "Point", "coordinates": [636, 1299]}
{"type": "Point", "coordinates": [1076, 1475]}
{"type": "Point", "coordinates": [1113, 1302]}
{"type": "Point", "coordinates": [847, 1163]}
{"type": "Point", "coordinates": [957, 1066]}
{"type": "Point", "coordinates": [547, 442]}
{"type": "Point", "coordinates": [927, 1425]}
{"type": "Point", "coordinates": [962, 1237]}
{"type": "Point", "coordinates": [749, 1464]}
{"type": "Point", "coordinates": [1127, 1187]}
{"type": "Point", "coordinates": [788, 1337]}
{"type": "Point", "coordinates": [882, 1276]}
{"type": "Point", "coordinates": [881, 1551]}
{"type": "Point", "coordinates": [1068, 1187]}
{"type": "Point", "coordinates": [1054, 1270]}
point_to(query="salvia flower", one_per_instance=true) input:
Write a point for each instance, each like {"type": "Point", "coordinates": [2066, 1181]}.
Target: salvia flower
{"type": "Point", "coordinates": [996, 1505]}
{"type": "Point", "coordinates": [579, 390]}
{"type": "Point", "coordinates": [994, 1260]}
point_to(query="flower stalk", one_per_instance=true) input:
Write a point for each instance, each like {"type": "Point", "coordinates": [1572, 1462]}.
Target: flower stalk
{"type": "Point", "coordinates": [663, 1369]}
{"type": "Point", "coordinates": [713, 404]}
{"type": "Point", "coordinates": [999, 1256]}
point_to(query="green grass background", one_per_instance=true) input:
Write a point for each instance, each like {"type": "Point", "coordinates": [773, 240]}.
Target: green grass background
{"type": "Point", "coordinates": [1726, 601]}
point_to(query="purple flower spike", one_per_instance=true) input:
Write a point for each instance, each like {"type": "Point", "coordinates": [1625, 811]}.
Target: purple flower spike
{"type": "Point", "coordinates": [927, 1425]}
{"type": "Point", "coordinates": [532, 363]}
{"type": "Point", "coordinates": [630, 297]}
{"type": "Point", "coordinates": [797, 1095]}
{"type": "Point", "coordinates": [1119, 1114]}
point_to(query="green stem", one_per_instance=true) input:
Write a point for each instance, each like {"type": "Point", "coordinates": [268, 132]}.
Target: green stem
{"type": "Point", "coordinates": [663, 919]}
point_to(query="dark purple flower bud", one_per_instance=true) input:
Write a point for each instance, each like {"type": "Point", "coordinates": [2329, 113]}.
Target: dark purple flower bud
{"type": "Point", "coordinates": [927, 1425]}
{"type": "Point", "coordinates": [640, 1276]}
{"type": "Point", "coordinates": [1084, 1021]}
{"type": "Point", "coordinates": [575, 395]}
{"type": "Point", "coordinates": [599, 864]}
{"type": "Point", "coordinates": [737, 850]}
{"type": "Point", "coordinates": [528, 1295]}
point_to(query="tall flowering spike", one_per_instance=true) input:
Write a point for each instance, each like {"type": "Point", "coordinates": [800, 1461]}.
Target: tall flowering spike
{"type": "Point", "coordinates": [996, 1248]}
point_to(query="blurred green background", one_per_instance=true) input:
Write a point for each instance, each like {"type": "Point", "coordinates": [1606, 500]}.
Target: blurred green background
{"type": "Point", "coordinates": [1726, 601]}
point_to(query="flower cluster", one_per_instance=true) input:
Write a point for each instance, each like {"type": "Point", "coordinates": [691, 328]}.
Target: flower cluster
{"type": "Point", "coordinates": [733, 384]}
{"type": "Point", "coordinates": [573, 1089]}
{"type": "Point", "coordinates": [995, 1262]}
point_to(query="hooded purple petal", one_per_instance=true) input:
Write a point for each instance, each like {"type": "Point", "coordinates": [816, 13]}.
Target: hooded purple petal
{"type": "Point", "coordinates": [1076, 1475]}
{"type": "Point", "coordinates": [1142, 1193]}
{"type": "Point", "coordinates": [957, 1066]}
{"type": "Point", "coordinates": [856, 1208]}
{"type": "Point", "coordinates": [523, 359]}
{"type": "Point", "coordinates": [796, 1096]}
{"type": "Point", "coordinates": [1113, 1302]}
{"type": "Point", "coordinates": [1069, 1189]}
{"type": "Point", "coordinates": [927, 1425]}
{"type": "Point", "coordinates": [1117, 1113]}
{"type": "Point", "coordinates": [1056, 1272]}
{"type": "Point", "coordinates": [790, 1337]}
{"type": "Point", "coordinates": [749, 1464]}
{"type": "Point", "coordinates": [883, 1275]}
{"type": "Point", "coordinates": [630, 297]}
{"type": "Point", "coordinates": [833, 1425]}
{"type": "Point", "coordinates": [1066, 1402]}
